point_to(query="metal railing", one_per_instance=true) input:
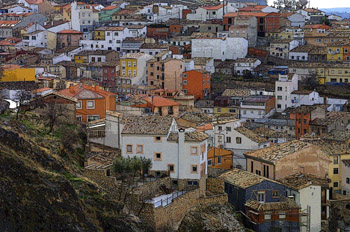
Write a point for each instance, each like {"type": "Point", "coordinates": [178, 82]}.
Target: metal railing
{"type": "Point", "coordinates": [168, 200]}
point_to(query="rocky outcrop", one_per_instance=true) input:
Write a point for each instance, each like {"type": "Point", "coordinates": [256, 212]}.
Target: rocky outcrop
{"type": "Point", "coordinates": [211, 218]}
{"type": "Point", "coordinates": [4, 105]}
{"type": "Point", "coordinates": [42, 191]}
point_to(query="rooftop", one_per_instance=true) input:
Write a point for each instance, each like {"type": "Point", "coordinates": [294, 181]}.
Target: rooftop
{"type": "Point", "coordinates": [160, 101]}
{"type": "Point", "coordinates": [147, 125]}
{"type": "Point", "coordinates": [237, 92]}
{"type": "Point", "coordinates": [272, 206]}
{"type": "Point", "coordinates": [300, 181]}
{"type": "Point", "coordinates": [279, 151]}
{"type": "Point", "coordinates": [251, 135]}
{"type": "Point", "coordinates": [193, 136]}
{"type": "Point", "coordinates": [243, 179]}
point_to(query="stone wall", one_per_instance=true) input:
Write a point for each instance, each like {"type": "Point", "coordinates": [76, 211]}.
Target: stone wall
{"type": "Point", "coordinates": [216, 185]}
{"type": "Point", "coordinates": [169, 217]}
{"type": "Point", "coordinates": [108, 183]}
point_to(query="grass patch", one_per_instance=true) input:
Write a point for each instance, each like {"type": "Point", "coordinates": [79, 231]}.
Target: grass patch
{"type": "Point", "coordinates": [72, 178]}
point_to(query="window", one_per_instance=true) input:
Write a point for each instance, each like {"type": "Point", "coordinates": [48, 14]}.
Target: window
{"type": "Point", "coordinates": [279, 97]}
{"type": "Point", "coordinates": [228, 128]}
{"type": "Point", "coordinates": [210, 162]}
{"type": "Point", "coordinates": [185, 82]}
{"type": "Point", "coordinates": [275, 193]}
{"type": "Point", "coordinates": [279, 106]}
{"type": "Point", "coordinates": [261, 196]}
{"type": "Point", "coordinates": [128, 148]}
{"type": "Point", "coordinates": [228, 139]}
{"type": "Point", "coordinates": [335, 159]}
{"type": "Point", "coordinates": [279, 88]}
{"type": "Point", "coordinates": [192, 183]}
{"type": "Point", "coordinates": [134, 64]}
{"type": "Point", "coordinates": [347, 180]}
{"type": "Point", "coordinates": [219, 159]}
{"type": "Point", "coordinates": [282, 215]}
{"type": "Point", "coordinates": [219, 109]}
{"type": "Point", "coordinates": [267, 216]}
{"type": "Point", "coordinates": [79, 118]}
{"type": "Point", "coordinates": [335, 171]}
{"type": "Point", "coordinates": [157, 139]}
{"type": "Point", "coordinates": [335, 184]}
{"type": "Point", "coordinates": [90, 104]}
{"type": "Point", "coordinates": [139, 149]}
{"type": "Point", "coordinates": [79, 105]}
{"type": "Point", "coordinates": [157, 156]}
{"type": "Point", "coordinates": [194, 151]}
{"type": "Point", "coordinates": [194, 168]}
{"type": "Point", "coordinates": [238, 140]}
{"type": "Point", "coordinates": [171, 168]}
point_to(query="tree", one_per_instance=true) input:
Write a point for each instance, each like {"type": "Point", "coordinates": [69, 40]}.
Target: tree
{"type": "Point", "coordinates": [128, 170]}
{"type": "Point", "coordinates": [21, 97]}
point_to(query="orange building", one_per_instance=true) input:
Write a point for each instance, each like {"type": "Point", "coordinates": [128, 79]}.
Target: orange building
{"type": "Point", "coordinates": [93, 102]}
{"type": "Point", "coordinates": [302, 116]}
{"type": "Point", "coordinates": [220, 158]}
{"type": "Point", "coordinates": [196, 83]}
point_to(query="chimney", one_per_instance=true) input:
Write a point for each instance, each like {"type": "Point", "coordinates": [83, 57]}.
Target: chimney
{"type": "Point", "coordinates": [182, 159]}
{"type": "Point", "coordinates": [71, 88]}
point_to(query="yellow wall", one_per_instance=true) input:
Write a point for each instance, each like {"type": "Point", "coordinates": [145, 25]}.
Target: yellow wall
{"type": "Point", "coordinates": [81, 59]}
{"type": "Point", "coordinates": [51, 40]}
{"type": "Point", "coordinates": [99, 35]}
{"type": "Point", "coordinates": [225, 110]}
{"type": "Point", "coordinates": [337, 177]}
{"type": "Point", "coordinates": [20, 74]}
{"type": "Point", "coordinates": [339, 74]}
{"type": "Point", "coordinates": [127, 68]}
{"type": "Point", "coordinates": [336, 56]}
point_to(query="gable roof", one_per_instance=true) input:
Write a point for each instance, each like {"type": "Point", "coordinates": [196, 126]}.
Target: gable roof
{"type": "Point", "coordinates": [244, 179]}
{"type": "Point", "coordinates": [85, 92]}
{"type": "Point", "coordinates": [277, 152]}
{"type": "Point", "coordinates": [191, 136]}
{"type": "Point", "coordinates": [300, 181]}
{"type": "Point", "coordinates": [213, 7]}
{"type": "Point", "coordinates": [251, 135]}
{"type": "Point", "coordinates": [147, 125]}
{"type": "Point", "coordinates": [160, 101]}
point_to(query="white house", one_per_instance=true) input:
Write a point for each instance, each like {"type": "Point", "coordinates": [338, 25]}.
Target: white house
{"type": "Point", "coordinates": [311, 194]}
{"type": "Point", "coordinates": [114, 37]}
{"type": "Point", "coordinates": [285, 85]}
{"type": "Point", "coordinates": [239, 140]}
{"type": "Point", "coordinates": [84, 18]}
{"type": "Point", "coordinates": [18, 9]}
{"type": "Point", "coordinates": [334, 17]}
{"type": "Point", "coordinates": [300, 53]}
{"type": "Point", "coordinates": [305, 97]}
{"type": "Point", "coordinates": [31, 4]}
{"type": "Point", "coordinates": [297, 20]}
{"type": "Point", "coordinates": [107, 132]}
{"type": "Point", "coordinates": [179, 153]}
{"type": "Point", "coordinates": [206, 13]}
{"type": "Point", "coordinates": [269, 9]}
{"type": "Point", "coordinates": [246, 65]}
{"type": "Point", "coordinates": [255, 107]}
{"type": "Point", "coordinates": [220, 48]}
{"type": "Point", "coordinates": [36, 36]}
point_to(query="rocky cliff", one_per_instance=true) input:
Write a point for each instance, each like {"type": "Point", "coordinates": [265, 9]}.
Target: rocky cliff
{"type": "Point", "coordinates": [41, 186]}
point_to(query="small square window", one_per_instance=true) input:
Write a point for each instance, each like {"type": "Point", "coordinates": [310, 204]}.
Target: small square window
{"type": "Point", "coordinates": [139, 149]}
{"type": "Point", "coordinates": [90, 104]}
{"type": "Point", "coordinates": [171, 168]}
{"type": "Point", "coordinates": [238, 140]}
{"type": "Point", "coordinates": [79, 105]}
{"type": "Point", "coordinates": [158, 139]}
{"type": "Point", "coordinates": [194, 150]}
{"type": "Point", "coordinates": [129, 148]}
{"type": "Point", "coordinates": [194, 168]}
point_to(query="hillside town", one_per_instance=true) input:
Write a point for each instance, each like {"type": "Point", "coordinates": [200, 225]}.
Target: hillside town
{"type": "Point", "coordinates": [188, 104]}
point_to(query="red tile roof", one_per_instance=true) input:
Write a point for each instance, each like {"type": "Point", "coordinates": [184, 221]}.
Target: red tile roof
{"type": "Point", "coordinates": [8, 23]}
{"type": "Point", "coordinates": [69, 32]}
{"type": "Point", "coordinates": [76, 89]}
{"type": "Point", "coordinates": [160, 101]}
{"type": "Point", "coordinates": [317, 26]}
{"type": "Point", "coordinates": [34, 2]}
{"type": "Point", "coordinates": [10, 41]}
{"type": "Point", "coordinates": [41, 90]}
{"type": "Point", "coordinates": [212, 7]}
{"type": "Point", "coordinates": [110, 7]}
{"type": "Point", "coordinates": [252, 8]}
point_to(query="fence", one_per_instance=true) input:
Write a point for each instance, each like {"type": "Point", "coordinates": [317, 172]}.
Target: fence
{"type": "Point", "coordinates": [169, 199]}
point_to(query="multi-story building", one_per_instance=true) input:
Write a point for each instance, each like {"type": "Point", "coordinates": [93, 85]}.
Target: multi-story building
{"type": "Point", "coordinates": [106, 38]}
{"type": "Point", "coordinates": [164, 72]}
{"type": "Point", "coordinates": [132, 70]}
{"type": "Point", "coordinates": [175, 152]}
{"type": "Point", "coordinates": [107, 13]}
{"type": "Point", "coordinates": [68, 38]}
{"type": "Point", "coordinates": [93, 102]}
{"type": "Point", "coordinates": [281, 48]}
{"type": "Point", "coordinates": [96, 56]}
{"type": "Point", "coordinates": [197, 83]}
{"type": "Point", "coordinates": [285, 85]}
{"type": "Point", "coordinates": [255, 107]}
{"type": "Point", "coordinates": [84, 18]}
